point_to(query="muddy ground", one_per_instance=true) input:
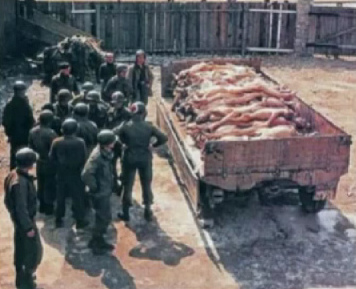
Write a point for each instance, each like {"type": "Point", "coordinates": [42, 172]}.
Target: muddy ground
{"type": "Point", "coordinates": [254, 247]}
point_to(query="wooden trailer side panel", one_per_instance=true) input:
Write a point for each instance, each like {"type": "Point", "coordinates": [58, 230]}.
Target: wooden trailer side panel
{"type": "Point", "coordinates": [186, 174]}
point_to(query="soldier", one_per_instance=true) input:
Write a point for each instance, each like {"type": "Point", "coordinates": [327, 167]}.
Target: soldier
{"type": "Point", "coordinates": [63, 80]}
{"type": "Point", "coordinates": [20, 201]}
{"type": "Point", "coordinates": [87, 130]}
{"type": "Point", "coordinates": [40, 140]}
{"type": "Point", "coordinates": [98, 109]}
{"type": "Point", "coordinates": [68, 154]}
{"type": "Point", "coordinates": [118, 115]}
{"type": "Point", "coordinates": [98, 178]}
{"type": "Point", "coordinates": [118, 83]}
{"type": "Point", "coordinates": [87, 86]}
{"type": "Point", "coordinates": [17, 120]}
{"type": "Point", "coordinates": [62, 109]}
{"type": "Point", "coordinates": [107, 71]}
{"type": "Point", "coordinates": [140, 78]}
{"type": "Point", "coordinates": [136, 135]}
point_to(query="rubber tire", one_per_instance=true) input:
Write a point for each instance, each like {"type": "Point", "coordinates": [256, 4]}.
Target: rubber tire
{"type": "Point", "coordinates": [309, 205]}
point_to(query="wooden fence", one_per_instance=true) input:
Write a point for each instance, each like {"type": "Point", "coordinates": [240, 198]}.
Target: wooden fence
{"type": "Point", "coordinates": [200, 27]}
{"type": "Point", "coordinates": [332, 30]}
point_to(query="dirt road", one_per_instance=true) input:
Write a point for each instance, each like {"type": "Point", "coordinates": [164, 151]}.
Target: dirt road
{"type": "Point", "coordinates": [254, 247]}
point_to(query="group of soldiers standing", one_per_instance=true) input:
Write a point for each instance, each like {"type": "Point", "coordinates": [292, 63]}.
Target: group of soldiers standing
{"type": "Point", "coordinates": [76, 144]}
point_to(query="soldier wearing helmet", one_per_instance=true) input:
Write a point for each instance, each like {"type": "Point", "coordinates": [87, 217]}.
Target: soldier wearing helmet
{"type": "Point", "coordinates": [86, 87]}
{"type": "Point", "coordinates": [137, 136]}
{"type": "Point", "coordinates": [98, 109]}
{"type": "Point", "coordinates": [107, 70]}
{"type": "Point", "coordinates": [118, 114]}
{"type": "Point", "coordinates": [140, 78]}
{"type": "Point", "coordinates": [21, 202]}
{"type": "Point", "coordinates": [97, 176]}
{"type": "Point", "coordinates": [40, 140]}
{"type": "Point", "coordinates": [63, 80]}
{"type": "Point", "coordinates": [118, 83]}
{"type": "Point", "coordinates": [17, 120]}
{"type": "Point", "coordinates": [62, 108]}
{"type": "Point", "coordinates": [68, 154]}
{"type": "Point", "coordinates": [87, 129]}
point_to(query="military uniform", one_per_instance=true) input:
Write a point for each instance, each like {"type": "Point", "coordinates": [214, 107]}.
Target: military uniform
{"type": "Point", "coordinates": [136, 136]}
{"type": "Point", "coordinates": [68, 154]}
{"type": "Point", "coordinates": [87, 130]}
{"type": "Point", "coordinates": [20, 201]}
{"type": "Point", "coordinates": [118, 83]}
{"type": "Point", "coordinates": [17, 121]}
{"type": "Point", "coordinates": [97, 175]}
{"type": "Point", "coordinates": [140, 79]}
{"type": "Point", "coordinates": [40, 140]}
{"type": "Point", "coordinates": [61, 81]}
{"type": "Point", "coordinates": [106, 72]}
{"type": "Point", "coordinates": [98, 114]}
{"type": "Point", "coordinates": [82, 98]}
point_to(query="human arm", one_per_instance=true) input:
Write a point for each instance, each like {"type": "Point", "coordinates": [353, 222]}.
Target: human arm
{"type": "Point", "coordinates": [53, 91]}
{"type": "Point", "coordinates": [161, 138]}
{"type": "Point", "coordinates": [21, 207]}
{"type": "Point", "coordinates": [89, 174]}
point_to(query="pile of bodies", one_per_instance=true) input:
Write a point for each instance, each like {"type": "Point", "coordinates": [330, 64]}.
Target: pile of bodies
{"type": "Point", "coordinates": [231, 102]}
{"type": "Point", "coordinates": [83, 53]}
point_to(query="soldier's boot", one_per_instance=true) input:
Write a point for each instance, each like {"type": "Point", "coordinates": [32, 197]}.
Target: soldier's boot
{"type": "Point", "coordinates": [19, 278]}
{"type": "Point", "coordinates": [148, 214]}
{"type": "Point", "coordinates": [28, 281]}
{"type": "Point", "coordinates": [125, 215]}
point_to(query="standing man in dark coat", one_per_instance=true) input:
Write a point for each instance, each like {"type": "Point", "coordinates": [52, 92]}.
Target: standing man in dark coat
{"type": "Point", "coordinates": [62, 109]}
{"type": "Point", "coordinates": [136, 136]}
{"type": "Point", "coordinates": [87, 130]}
{"type": "Point", "coordinates": [21, 202]}
{"type": "Point", "coordinates": [40, 140]}
{"type": "Point", "coordinates": [63, 80]}
{"type": "Point", "coordinates": [118, 83]}
{"type": "Point", "coordinates": [118, 115]}
{"type": "Point", "coordinates": [68, 154]}
{"type": "Point", "coordinates": [17, 120]}
{"type": "Point", "coordinates": [97, 176]}
{"type": "Point", "coordinates": [140, 78]}
{"type": "Point", "coordinates": [106, 72]}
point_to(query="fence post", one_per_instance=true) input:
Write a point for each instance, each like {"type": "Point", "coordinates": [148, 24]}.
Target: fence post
{"type": "Point", "coordinates": [301, 35]}
{"type": "Point", "coordinates": [183, 31]}
{"type": "Point", "coordinates": [97, 20]}
{"type": "Point", "coordinates": [245, 27]}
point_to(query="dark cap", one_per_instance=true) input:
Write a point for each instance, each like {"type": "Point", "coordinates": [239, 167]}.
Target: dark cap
{"type": "Point", "coordinates": [88, 86]}
{"type": "Point", "coordinates": [69, 126]}
{"type": "Point", "coordinates": [81, 109]}
{"type": "Point", "coordinates": [46, 116]}
{"type": "Point", "coordinates": [106, 137]}
{"type": "Point", "coordinates": [64, 94]}
{"type": "Point", "coordinates": [93, 95]}
{"type": "Point", "coordinates": [19, 85]}
{"type": "Point", "coordinates": [25, 157]}
{"type": "Point", "coordinates": [63, 65]}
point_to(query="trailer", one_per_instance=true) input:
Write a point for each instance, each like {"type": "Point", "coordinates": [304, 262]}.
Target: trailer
{"type": "Point", "coordinates": [312, 165]}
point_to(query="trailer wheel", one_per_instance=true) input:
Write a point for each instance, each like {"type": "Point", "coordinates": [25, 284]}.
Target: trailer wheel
{"type": "Point", "coordinates": [309, 205]}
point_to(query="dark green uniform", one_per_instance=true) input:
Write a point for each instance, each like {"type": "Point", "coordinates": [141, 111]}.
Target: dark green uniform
{"type": "Point", "coordinates": [140, 79]}
{"type": "Point", "coordinates": [116, 118]}
{"type": "Point", "coordinates": [69, 154]}
{"type": "Point", "coordinates": [40, 140]}
{"type": "Point", "coordinates": [98, 113]}
{"type": "Point", "coordinates": [20, 200]}
{"type": "Point", "coordinates": [106, 72]}
{"type": "Point", "coordinates": [17, 120]}
{"type": "Point", "coordinates": [97, 175]}
{"type": "Point", "coordinates": [87, 130]}
{"type": "Point", "coordinates": [117, 83]}
{"type": "Point", "coordinates": [136, 135]}
{"type": "Point", "coordinates": [61, 81]}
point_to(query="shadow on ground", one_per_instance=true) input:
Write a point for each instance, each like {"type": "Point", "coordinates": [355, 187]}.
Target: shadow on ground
{"type": "Point", "coordinates": [155, 244]}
